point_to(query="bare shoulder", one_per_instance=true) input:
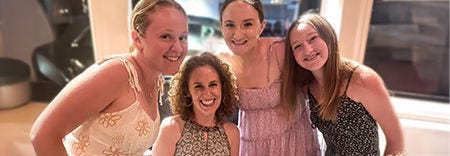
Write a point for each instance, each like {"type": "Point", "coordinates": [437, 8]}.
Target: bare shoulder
{"type": "Point", "coordinates": [172, 123]}
{"type": "Point", "coordinates": [230, 126]}
{"type": "Point", "coordinates": [366, 77]}
{"type": "Point", "coordinates": [366, 86]}
{"type": "Point", "coordinates": [224, 54]}
{"type": "Point", "coordinates": [231, 130]}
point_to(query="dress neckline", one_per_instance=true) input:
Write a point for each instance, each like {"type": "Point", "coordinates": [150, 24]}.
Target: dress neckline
{"type": "Point", "coordinates": [205, 128]}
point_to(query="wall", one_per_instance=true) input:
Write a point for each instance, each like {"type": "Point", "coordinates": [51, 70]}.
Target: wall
{"type": "Point", "coordinates": [2, 53]}
{"type": "Point", "coordinates": [109, 26]}
{"type": "Point", "coordinates": [23, 28]}
{"type": "Point", "coordinates": [350, 19]}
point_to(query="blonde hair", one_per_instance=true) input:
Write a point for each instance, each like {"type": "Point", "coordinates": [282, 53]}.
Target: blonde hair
{"type": "Point", "coordinates": [139, 21]}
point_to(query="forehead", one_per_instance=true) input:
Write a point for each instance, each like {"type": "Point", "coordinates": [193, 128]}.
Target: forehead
{"type": "Point", "coordinates": [168, 18]}
{"type": "Point", "coordinates": [165, 12]}
{"type": "Point", "coordinates": [302, 29]}
{"type": "Point", "coordinates": [203, 71]}
{"type": "Point", "coordinates": [244, 11]}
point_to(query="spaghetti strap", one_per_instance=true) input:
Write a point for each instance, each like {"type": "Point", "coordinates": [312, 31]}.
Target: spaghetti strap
{"type": "Point", "coordinates": [268, 59]}
{"type": "Point", "coordinates": [349, 78]}
{"type": "Point", "coordinates": [133, 76]}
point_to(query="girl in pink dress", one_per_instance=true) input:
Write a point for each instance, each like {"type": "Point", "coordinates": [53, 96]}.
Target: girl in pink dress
{"type": "Point", "coordinates": [267, 126]}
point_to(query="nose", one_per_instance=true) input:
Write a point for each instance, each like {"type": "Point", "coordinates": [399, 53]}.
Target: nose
{"type": "Point", "coordinates": [207, 92]}
{"type": "Point", "coordinates": [177, 46]}
{"type": "Point", "coordinates": [237, 34]}
{"type": "Point", "coordinates": [308, 47]}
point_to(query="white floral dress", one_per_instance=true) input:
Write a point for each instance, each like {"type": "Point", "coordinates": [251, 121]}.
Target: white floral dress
{"type": "Point", "coordinates": [126, 132]}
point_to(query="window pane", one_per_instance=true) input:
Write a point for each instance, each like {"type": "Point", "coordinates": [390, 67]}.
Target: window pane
{"type": "Point", "coordinates": [408, 46]}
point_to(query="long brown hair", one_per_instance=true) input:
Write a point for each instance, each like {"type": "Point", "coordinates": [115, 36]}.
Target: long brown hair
{"type": "Point", "coordinates": [295, 77]}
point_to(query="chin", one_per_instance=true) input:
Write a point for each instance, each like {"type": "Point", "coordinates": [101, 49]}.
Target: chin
{"type": "Point", "coordinates": [171, 71]}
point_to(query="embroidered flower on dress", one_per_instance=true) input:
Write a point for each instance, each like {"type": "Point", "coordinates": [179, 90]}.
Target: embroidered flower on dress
{"type": "Point", "coordinates": [143, 128]}
{"type": "Point", "coordinates": [80, 147]}
{"type": "Point", "coordinates": [114, 151]}
{"type": "Point", "coordinates": [118, 139]}
{"type": "Point", "coordinates": [109, 119]}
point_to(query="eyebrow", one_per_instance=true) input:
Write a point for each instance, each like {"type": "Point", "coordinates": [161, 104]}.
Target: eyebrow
{"type": "Point", "coordinates": [246, 20]}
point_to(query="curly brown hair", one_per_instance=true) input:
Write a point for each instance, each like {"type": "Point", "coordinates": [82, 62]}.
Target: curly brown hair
{"type": "Point", "coordinates": [181, 102]}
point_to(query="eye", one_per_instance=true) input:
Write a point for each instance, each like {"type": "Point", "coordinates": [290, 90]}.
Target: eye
{"type": "Point", "coordinates": [214, 84]}
{"type": "Point", "coordinates": [313, 38]}
{"type": "Point", "coordinates": [229, 25]}
{"type": "Point", "coordinates": [198, 86]}
{"type": "Point", "coordinates": [166, 37]}
{"type": "Point", "coordinates": [248, 24]}
{"type": "Point", "coordinates": [183, 38]}
{"type": "Point", "coordinates": [297, 46]}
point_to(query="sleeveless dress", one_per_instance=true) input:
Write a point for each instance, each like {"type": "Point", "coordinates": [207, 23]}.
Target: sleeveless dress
{"type": "Point", "coordinates": [265, 131]}
{"type": "Point", "coordinates": [130, 131]}
{"type": "Point", "coordinates": [354, 132]}
{"type": "Point", "coordinates": [192, 141]}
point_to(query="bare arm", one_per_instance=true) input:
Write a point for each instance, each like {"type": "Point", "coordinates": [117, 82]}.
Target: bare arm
{"type": "Point", "coordinates": [233, 137]}
{"type": "Point", "coordinates": [379, 105]}
{"type": "Point", "coordinates": [169, 134]}
{"type": "Point", "coordinates": [85, 96]}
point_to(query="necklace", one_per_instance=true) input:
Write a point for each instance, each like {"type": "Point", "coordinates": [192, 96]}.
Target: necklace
{"type": "Point", "coordinates": [158, 83]}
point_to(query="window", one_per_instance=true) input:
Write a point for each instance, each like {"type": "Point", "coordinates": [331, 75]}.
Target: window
{"type": "Point", "coordinates": [408, 45]}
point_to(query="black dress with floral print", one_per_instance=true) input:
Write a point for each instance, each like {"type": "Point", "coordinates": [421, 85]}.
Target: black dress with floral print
{"type": "Point", "coordinates": [354, 132]}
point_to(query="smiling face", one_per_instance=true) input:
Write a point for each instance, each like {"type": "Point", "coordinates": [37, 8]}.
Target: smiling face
{"type": "Point", "coordinates": [205, 89]}
{"type": "Point", "coordinates": [164, 43]}
{"type": "Point", "coordinates": [241, 26]}
{"type": "Point", "coordinates": [310, 50]}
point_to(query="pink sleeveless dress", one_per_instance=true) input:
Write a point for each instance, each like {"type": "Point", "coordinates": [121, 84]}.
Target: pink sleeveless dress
{"type": "Point", "coordinates": [265, 131]}
{"type": "Point", "coordinates": [126, 132]}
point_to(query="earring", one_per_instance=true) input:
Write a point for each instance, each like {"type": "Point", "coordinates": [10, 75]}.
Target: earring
{"type": "Point", "coordinates": [189, 98]}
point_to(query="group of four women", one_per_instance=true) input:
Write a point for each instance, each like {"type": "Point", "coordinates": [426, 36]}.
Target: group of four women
{"type": "Point", "coordinates": [287, 91]}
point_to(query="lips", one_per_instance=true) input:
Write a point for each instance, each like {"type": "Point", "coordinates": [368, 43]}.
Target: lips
{"type": "Point", "coordinates": [239, 42]}
{"type": "Point", "coordinates": [172, 58]}
{"type": "Point", "coordinates": [311, 57]}
{"type": "Point", "coordinates": [208, 103]}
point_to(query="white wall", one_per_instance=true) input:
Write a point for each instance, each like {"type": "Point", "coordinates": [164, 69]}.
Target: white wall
{"type": "Point", "coordinates": [109, 26]}
{"type": "Point", "coordinates": [350, 19]}
{"type": "Point", "coordinates": [24, 27]}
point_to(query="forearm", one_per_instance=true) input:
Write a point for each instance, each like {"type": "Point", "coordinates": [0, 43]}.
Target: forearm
{"type": "Point", "coordinates": [394, 148]}
{"type": "Point", "coordinates": [48, 147]}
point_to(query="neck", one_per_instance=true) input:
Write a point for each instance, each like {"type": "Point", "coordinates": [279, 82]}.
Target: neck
{"type": "Point", "coordinates": [318, 75]}
{"type": "Point", "coordinates": [145, 73]}
{"type": "Point", "coordinates": [206, 121]}
{"type": "Point", "coordinates": [250, 57]}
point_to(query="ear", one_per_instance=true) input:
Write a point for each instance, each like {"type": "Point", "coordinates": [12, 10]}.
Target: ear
{"type": "Point", "coordinates": [137, 43]}
{"type": "Point", "coordinates": [263, 25]}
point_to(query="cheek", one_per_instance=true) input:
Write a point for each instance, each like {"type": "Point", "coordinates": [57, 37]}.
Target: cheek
{"type": "Point", "coordinates": [226, 33]}
{"type": "Point", "coordinates": [297, 57]}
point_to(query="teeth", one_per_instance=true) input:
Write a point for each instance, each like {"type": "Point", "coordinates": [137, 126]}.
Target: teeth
{"type": "Point", "coordinates": [311, 57]}
{"type": "Point", "coordinates": [208, 102]}
{"type": "Point", "coordinates": [240, 42]}
{"type": "Point", "coordinates": [173, 58]}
